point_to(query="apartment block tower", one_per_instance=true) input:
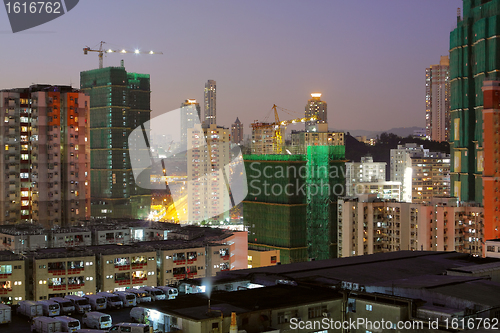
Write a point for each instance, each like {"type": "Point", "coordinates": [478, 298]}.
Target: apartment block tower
{"type": "Point", "coordinates": [491, 173]}
{"type": "Point", "coordinates": [210, 103]}
{"type": "Point", "coordinates": [474, 58]}
{"type": "Point", "coordinates": [437, 101]}
{"type": "Point", "coordinates": [119, 103]}
{"type": "Point", "coordinates": [237, 132]}
{"type": "Point", "coordinates": [44, 155]}
{"type": "Point", "coordinates": [190, 115]}
{"type": "Point", "coordinates": [316, 107]}
{"type": "Point", "coordinates": [207, 188]}
{"type": "Point", "coordinates": [401, 167]}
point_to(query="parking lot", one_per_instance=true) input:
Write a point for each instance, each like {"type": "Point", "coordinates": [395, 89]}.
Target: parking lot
{"type": "Point", "coordinates": [22, 324]}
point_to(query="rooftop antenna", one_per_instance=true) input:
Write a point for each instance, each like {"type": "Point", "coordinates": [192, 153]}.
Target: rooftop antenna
{"type": "Point", "coordinates": [459, 15]}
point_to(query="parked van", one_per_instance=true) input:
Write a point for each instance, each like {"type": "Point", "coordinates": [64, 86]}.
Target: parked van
{"type": "Point", "coordinates": [128, 299]}
{"type": "Point", "coordinates": [170, 292]}
{"type": "Point", "coordinates": [81, 304]}
{"type": "Point", "coordinates": [112, 300]}
{"type": "Point", "coordinates": [67, 307]}
{"type": "Point", "coordinates": [141, 295]}
{"type": "Point", "coordinates": [129, 327]}
{"type": "Point", "coordinates": [155, 293]}
{"type": "Point", "coordinates": [138, 314]}
{"type": "Point", "coordinates": [68, 324]}
{"type": "Point", "coordinates": [96, 302]}
{"type": "Point", "coordinates": [30, 309]}
{"type": "Point", "coordinates": [5, 314]}
{"type": "Point", "coordinates": [45, 325]}
{"type": "Point", "coordinates": [98, 320]}
{"type": "Point", "coordinates": [50, 308]}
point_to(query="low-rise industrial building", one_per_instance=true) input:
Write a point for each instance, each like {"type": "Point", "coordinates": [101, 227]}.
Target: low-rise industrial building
{"type": "Point", "coordinates": [12, 278]}
{"type": "Point", "coordinates": [60, 272]}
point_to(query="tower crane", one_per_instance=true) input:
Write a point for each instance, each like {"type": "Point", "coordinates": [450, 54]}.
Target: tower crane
{"type": "Point", "coordinates": [277, 136]}
{"type": "Point", "coordinates": [101, 52]}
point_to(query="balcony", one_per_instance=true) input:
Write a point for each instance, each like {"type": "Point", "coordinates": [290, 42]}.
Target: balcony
{"type": "Point", "coordinates": [76, 286]}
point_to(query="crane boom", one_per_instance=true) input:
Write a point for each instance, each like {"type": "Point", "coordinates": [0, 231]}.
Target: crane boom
{"type": "Point", "coordinates": [277, 136]}
{"type": "Point", "coordinates": [101, 52]}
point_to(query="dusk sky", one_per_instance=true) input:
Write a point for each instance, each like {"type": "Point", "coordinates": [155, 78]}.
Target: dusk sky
{"type": "Point", "coordinates": [367, 57]}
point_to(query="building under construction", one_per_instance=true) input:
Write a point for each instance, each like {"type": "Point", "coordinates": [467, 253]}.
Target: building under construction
{"type": "Point", "coordinates": [119, 102]}
{"type": "Point", "coordinates": [292, 202]}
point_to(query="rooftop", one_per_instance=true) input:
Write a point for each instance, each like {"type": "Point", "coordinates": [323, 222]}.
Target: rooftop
{"type": "Point", "coordinates": [195, 306]}
{"type": "Point", "coordinates": [371, 269]}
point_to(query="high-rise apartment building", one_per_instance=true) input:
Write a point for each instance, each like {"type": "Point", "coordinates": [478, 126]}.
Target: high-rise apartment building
{"type": "Point", "coordinates": [210, 103]}
{"type": "Point", "coordinates": [301, 139]}
{"type": "Point", "coordinates": [365, 171]}
{"type": "Point", "coordinates": [368, 177]}
{"type": "Point", "coordinates": [367, 226]}
{"type": "Point", "coordinates": [190, 115]}
{"type": "Point", "coordinates": [430, 177]}
{"type": "Point", "coordinates": [237, 132]}
{"type": "Point", "coordinates": [437, 101]}
{"type": "Point", "coordinates": [119, 103]}
{"type": "Point", "coordinates": [315, 107]}
{"type": "Point", "coordinates": [45, 155]}
{"type": "Point", "coordinates": [207, 196]}
{"type": "Point", "coordinates": [474, 58]}
{"type": "Point", "coordinates": [401, 167]}
{"type": "Point", "coordinates": [263, 139]}
{"type": "Point", "coordinates": [422, 174]}
{"type": "Point", "coordinates": [491, 173]}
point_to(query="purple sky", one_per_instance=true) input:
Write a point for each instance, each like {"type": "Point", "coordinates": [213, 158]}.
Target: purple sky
{"type": "Point", "coordinates": [367, 57]}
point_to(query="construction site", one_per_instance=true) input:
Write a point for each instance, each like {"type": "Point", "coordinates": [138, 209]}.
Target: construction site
{"type": "Point", "coordinates": [292, 202]}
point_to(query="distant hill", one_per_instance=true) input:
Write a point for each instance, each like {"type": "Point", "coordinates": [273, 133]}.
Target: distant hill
{"type": "Point", "coordinates": [399, 131]}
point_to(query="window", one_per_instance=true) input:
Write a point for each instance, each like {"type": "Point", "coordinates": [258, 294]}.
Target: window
{"type": "Point", "coordinates": [369, 307]}
{"type": "Point", "coordinates": [317, 311]}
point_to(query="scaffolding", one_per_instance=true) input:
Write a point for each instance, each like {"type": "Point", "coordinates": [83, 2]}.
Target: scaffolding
{"type": "Point", "coordinates": [292, 201]}
{"type": "Point", "coordinates": [474, 58]}
{"type": "Point", "coordinates": [119, 102]}
{"type": "Point", "coordinates": [325, 182]}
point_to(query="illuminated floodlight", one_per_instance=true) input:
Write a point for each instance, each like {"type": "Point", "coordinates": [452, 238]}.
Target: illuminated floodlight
{"type": "Point", "coordinates": [316, 95]}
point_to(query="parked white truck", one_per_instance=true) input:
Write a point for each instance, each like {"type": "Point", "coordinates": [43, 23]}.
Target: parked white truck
{"type": "Point", "coordinates": [81, 304]}
{"type": "Point", "coordinates": [68, 324]}
{"type": "Point", "coordinates": [170, 292]}
{"type": "Point", "coordinates": [46, 325]}
{"type": "Point", "coordinates": [112, 300]}
{"type": "Point", "coordinates": [128, 299]}
{"type": "Point", "coordinates": [50, 308]}
{"type": "Point", "coordinates": [5, 314]}
{"type": "Point", "coordinates": [96, 302]}
{"type": "Point", "coordinates": [67, 307]}
{"type": "Point", "coordinates": [30, 309]}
